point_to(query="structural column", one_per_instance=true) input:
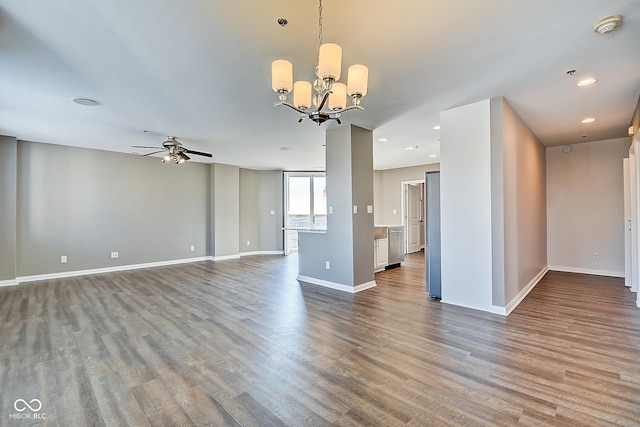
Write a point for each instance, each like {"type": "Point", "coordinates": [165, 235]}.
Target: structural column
{"type": "Point", "coordinates": [342, 257]}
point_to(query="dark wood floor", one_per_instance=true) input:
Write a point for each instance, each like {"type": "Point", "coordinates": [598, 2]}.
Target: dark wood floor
{"type": "Point", "coordinates": [241, 342]}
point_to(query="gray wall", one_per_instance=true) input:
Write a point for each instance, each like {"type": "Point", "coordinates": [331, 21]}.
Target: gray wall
{"type": "Point", "coordinates": [260, 195]}
{"type": "Point", "coordinates": [226, 210]}
{"type": "Point", "coordinates": [8, 186]}
{"type": "Point", "coordinates": [387, 189]}
{"type": "Point", "coordinates": [86, 203]}
{"type": "Point", "coordinates": [586, 207]}
{"type": "Point", "coordinates": [270, 198]}
{"type": "Point", "coordinates": [249, 212]}
{"type": "Point", "coordinates": [524, 204]}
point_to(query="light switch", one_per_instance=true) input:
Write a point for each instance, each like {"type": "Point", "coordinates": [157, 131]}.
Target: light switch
{"type": "Point", "coordinates": [369, 209]}
{"type": "Point", "coordinates": [355, 208]}
{"type": "Point", "coordinates": [330, 209]}
{"type": "Point", "coordinates": [272, 212]}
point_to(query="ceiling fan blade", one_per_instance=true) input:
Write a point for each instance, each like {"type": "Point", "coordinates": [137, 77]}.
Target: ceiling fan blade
{"type": "Point", "coordinates": [198, 153]}
{"type": "Point", "coordinates": [145, 146]}
{"type": "Point", "coordinates": [150, 154]}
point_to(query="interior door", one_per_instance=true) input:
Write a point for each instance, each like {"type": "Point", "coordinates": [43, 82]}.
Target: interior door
{"type": "Point", "coordinates": [414, 225]}
{"type": "Point", "coordinates": [627, 223]}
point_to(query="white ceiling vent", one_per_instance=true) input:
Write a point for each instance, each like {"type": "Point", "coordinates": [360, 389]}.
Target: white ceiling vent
{"type": "Point", "coordinates": [607, 24]}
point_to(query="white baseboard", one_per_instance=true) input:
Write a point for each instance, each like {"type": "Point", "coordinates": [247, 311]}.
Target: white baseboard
{"type": "Point", "coordinates": [506, 310]}
{"type": "Point", "coordinates": [11, 282]}
{"type": "Point", "coordinates": [336, 286]}
{"type": "Point", "coordinates": [225, 257]}
{"type": "Point", "coordinates": [365, 286]}
{"type": "Point", "coordinates": [525, 291]}
{"type": "Point", "coordinates": [491, 309]}
{"type": "Point", "coordinates": [586, 271]}
{"type": "Point", "coordinates": [261, 253]}
{"type": "Point", "coordinates": [116, 268]}
{"type": "Point", "coordinates": [75, 273]}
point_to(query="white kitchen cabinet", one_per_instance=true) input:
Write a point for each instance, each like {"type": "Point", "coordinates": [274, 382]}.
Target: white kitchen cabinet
{"type": "Point", "coordinates": [381, 253]}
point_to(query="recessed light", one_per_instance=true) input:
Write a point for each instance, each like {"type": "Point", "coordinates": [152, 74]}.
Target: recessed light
{"type": "Point", "coordinates": [436, 127]}
{"type": "Point", "coordinates": [587, 120]}
{"type": "Point", "coordinates": [433, 156]}
{"type": "Point", "coordinates": [408, 148]}
{"type": "Point", "coordinates": [383, 139]}
{"type": "Point", "coordinates": [87, 102]}
{"type": "Point", "coordinates": [586, 82]}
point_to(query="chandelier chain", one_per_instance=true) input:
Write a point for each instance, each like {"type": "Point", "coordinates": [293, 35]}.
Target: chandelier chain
{"type": "Point", "coordinates": [320, 23]}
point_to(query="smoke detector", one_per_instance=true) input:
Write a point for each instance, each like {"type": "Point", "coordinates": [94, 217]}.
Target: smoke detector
{"type": "Point", "coordinates": [607, 24]}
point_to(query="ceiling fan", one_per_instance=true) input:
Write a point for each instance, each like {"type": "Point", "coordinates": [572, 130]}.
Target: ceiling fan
{"type": "Point", "coordinates": [176, 152]}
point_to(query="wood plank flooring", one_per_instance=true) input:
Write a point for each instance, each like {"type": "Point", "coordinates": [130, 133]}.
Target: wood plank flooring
{"type": "Point", "coordinates": [241, 342]}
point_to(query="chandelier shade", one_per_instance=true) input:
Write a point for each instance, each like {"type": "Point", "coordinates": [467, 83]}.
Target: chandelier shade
{"type": "Point", "coordinates": [302, 94]}
{"type": "Point", "coordinates": [329, 61]}
{"type": "Point", "coordinates": [281, 75]}
{"type": "Point", "coordinates": [324, 91]}
{"type": "Point", "coordinates": [357, 80]}
{"type": "Point", "coordinates": [338, 97]}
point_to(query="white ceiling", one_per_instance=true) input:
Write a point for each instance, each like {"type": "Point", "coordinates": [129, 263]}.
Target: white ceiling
{"type": "Point", "coordinates": [200, 70]}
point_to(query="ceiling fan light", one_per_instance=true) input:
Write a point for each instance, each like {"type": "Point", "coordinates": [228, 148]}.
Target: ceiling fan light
{"type": "Point", "coordinates": [281, 75]}
{"type": "Point", "coordinates": [357, 80]}
{"type": "Point", "coordinates": [338, 97]}
{"type": "Point", "coordinates": [329, 61]}
{"type": "Point", "coordinates": [166, 158]}
{"type": "Point", "coordinates": [182, 158]}
{"type": "Point", "coordinates": [302, 94]}
{"type": "Point", "coordinates": [586, 82]}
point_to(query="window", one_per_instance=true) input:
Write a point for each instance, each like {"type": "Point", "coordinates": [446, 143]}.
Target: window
{"type": "Point", "coordinates": [305, 205]}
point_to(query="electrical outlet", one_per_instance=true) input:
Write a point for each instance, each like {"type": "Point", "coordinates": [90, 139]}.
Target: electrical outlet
{"type": "Point", "coordinates": [193, 248]}
{"type": "Point", "coordinates": [63, 259]}
{"type": "Point", "coordinates": [355, 208]}
{"type": "Point", "coordinates": [248, 242]}
{"type": "Point", "coordinates": [327, 265]}
{"type": "Point", "coordinates": [596, 256]}
{"type": "Point", "coordinates": [272, 212]}
{"type": "Point", "coordinates": [114, 254]}
{"type": "Point", "coordinates": [395, 211]}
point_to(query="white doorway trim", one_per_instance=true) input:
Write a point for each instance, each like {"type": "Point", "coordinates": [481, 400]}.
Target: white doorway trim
{"type": "Point", "coordinates": [404, 211]}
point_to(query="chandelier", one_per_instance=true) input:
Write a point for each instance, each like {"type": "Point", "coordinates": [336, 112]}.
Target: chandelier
{"type": "Point", "coordinates": [326, 89]}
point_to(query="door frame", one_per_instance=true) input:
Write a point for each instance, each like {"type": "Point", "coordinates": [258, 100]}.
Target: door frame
{"type": "Point", "coordinates": [403, 206]}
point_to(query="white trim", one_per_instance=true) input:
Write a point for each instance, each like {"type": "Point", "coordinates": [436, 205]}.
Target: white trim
{"type": "Point", "coordinates": [63, 274]}
{"type": "Point", "coordinates": [261, 253]}
{"type": "Point", "coordinates": [525, 291]}
{"type": "Point", "coordinates": [11, 282]}
{"type": "Point", "coordinates": [336, 286]}
{"type": "Point", "coordinates": [365, 286]}
{"type": "Point", "coordinates": [491, 309]}
{"type": "Point", "coordinates": [587, 271]}
{"type": "Point", "coordinates": [225, 257]}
